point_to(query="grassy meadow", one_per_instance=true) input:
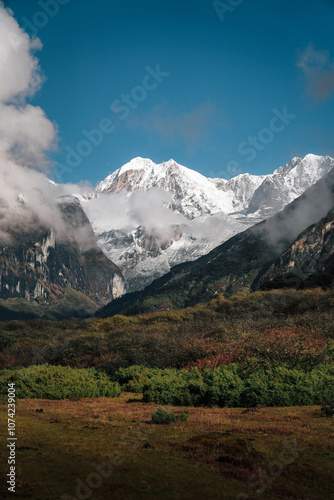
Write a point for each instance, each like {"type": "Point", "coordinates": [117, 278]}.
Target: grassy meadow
{"type": "Point", "coordinates": [267, 453]}
{"type": "Point", "coordinates": [247, 381]}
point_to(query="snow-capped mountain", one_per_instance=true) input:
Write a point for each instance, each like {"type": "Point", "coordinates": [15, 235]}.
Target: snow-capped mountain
{"type": "Point", "coordinates": [238, 191]}
{"type": "Point", "coordinates": [193, 195]}
{"type": "Point", "coordinates": [277, 252]}
{"type": "Point", "coordinates": [149, 217]}
{"type": "Point", "coordinates": [288, 183]}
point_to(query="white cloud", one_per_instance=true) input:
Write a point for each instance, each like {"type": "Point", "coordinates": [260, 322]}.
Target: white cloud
{"type": "Point", "coordinates": [26, 134]}
{"type": "Point", "coordinates": [125, 212]}
{"type": "Point", "coordinates": [19, 69]}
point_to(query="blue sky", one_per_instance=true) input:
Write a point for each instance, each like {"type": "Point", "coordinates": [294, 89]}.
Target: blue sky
{"type": "Point", "coordinates": [223, 88]}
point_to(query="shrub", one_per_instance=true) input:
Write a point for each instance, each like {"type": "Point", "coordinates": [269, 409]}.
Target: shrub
{"type": "Point", "coordinates": [182, 416]}
{"type": "Point", "coordinates": [240, 386]}
{"type": "Point", "coordinates": [283, 344]}
{"type": "Point", "coordinates": [170, 387]}
{"type": "Point", "coordinates": [161, 416]}
{"type": "Point", "coordinates": [7, 339]}
{"type": "Point", "coordinates": [133, 378]}
{"type": "Point", "coordinates": [58, 382]}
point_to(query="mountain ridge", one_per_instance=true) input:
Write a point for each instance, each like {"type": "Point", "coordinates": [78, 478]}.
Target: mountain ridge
{"type": "Point", "coordinates": [236, 265]}
{"type": "Point", "coordinates": [197, 213]}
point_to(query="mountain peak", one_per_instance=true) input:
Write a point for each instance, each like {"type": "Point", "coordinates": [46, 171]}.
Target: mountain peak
{"type": "Point", "coordinates": [170, 162]}
{"type": "Point", "coordinates": [137, 163]}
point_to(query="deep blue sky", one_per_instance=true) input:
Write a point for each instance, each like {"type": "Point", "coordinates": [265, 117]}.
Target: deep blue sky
{"type": "Point", "coordinates": [225, 78]}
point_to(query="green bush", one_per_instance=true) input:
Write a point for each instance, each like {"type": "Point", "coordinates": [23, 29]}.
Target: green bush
{"type": "Point", "coordinates": [58, 382]}
{"type": "Point", "coordinates": [237, 386]}
{"type": "Point", "coordinates": [182, 416]}
{"type": "Point", "coordinates": [7, 339]}
{"type": "Point", "coordinates": [170, 387]}
{"type": "Point", "coordinates": [133, 378]}
{"type": "Point", "coordinates": [161, 416]}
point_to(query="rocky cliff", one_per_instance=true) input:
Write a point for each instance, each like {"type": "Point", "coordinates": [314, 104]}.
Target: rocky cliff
{"type": "Point", "coordinates": [309, 261]}
{"type": "Point", "coordinates": [39, 264]}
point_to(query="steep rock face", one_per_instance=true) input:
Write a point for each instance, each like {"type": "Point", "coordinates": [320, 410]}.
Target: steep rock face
{"type": "Point", "coordinates": [138, 253]}
{"type": "Point", "coordinates": [210, 211]}
{"type": "Point", "coordinates": [145, 255]}
{"type": "Point", "coordinates": [39, 265]}
{"type": "Point", "coordinates": [312, 253]}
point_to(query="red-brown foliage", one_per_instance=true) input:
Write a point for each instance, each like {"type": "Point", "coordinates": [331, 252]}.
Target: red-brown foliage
{"type": "Point", "coordinates": [275, 343]}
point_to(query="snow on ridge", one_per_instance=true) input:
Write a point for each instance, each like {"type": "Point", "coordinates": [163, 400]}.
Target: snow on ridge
{"type": "Point", "coordinates": [195, 215]}
{"type": "Point", "coordinates": [151, 171]}
{"type": "Point", "coordinates": [195, 195]}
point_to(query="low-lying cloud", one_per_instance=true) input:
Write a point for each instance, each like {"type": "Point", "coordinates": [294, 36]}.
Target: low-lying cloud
{"type": "Point", "coordinates": [121, 211]}
{"type": "Point", "coordinates": [314, 204]}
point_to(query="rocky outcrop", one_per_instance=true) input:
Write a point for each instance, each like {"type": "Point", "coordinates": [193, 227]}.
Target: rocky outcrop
{"type": "Point", "coordinates": [39, 264]}
{"type": "Point", "coordinates": [310, 259]}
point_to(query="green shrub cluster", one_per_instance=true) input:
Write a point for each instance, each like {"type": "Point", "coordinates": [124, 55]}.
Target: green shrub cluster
{"type": "Point", "coordinates": [161, 416]}
{"type": "Point", "coordinates": [134, 378]}
{"type": "Point", "coordinates": [7, 339]}
{"type": "Point", "coordinates": [237, 386]}
{"type": "Point", "coordinates": [58, 382]}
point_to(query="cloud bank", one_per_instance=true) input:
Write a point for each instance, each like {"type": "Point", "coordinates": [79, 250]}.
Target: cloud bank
{"type": "Point", "coordinates": [26, 134]}
{"type": "Point", "coordinates": [142, 208]}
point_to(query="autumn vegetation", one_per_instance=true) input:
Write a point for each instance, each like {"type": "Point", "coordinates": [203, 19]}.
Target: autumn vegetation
{"type": "Point", "coordinates": [266, 348]}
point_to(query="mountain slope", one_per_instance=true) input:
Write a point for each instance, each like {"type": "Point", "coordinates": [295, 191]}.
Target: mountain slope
{"type": "Point", "coordinates": [309, 260]}
{"type": "Point", "coordinates": [237, 264]}
{"type": "Point", "coordinates": [288, 183]}
{"type": "Point", "coordinates": [40, 264]}
{"type": "Point", "coordinates": [169, 214]}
